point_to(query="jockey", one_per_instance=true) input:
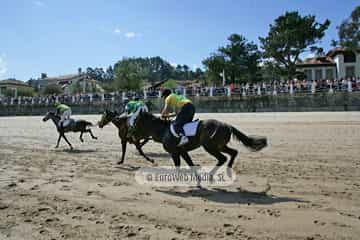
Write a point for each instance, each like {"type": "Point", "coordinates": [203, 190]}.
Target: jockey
{"type": "Point", "coordinates": [133, 109]}
{"type": "Point", "coordinates": [185, 112]}
{"type": "Point", "coordinates": [63, 110]}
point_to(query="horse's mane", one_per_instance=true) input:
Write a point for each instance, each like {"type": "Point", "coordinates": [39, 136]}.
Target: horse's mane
{"type": "Point", "coordinates": [154, 118]}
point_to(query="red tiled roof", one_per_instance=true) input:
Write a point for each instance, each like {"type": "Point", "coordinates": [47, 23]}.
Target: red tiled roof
{"type": "Point", "coordinates": [317, 61]}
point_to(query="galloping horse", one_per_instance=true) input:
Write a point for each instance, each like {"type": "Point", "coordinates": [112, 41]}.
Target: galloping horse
{"type": "Point", "coordinates": [121, 122]}
{"type": "Point", "coordinates": [213, 135]}
{"type": "Point", "coordinates": [71, 126]}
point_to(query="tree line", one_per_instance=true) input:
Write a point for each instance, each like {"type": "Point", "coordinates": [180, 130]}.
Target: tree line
{"type": "Point", "coordinates": [239, 60]}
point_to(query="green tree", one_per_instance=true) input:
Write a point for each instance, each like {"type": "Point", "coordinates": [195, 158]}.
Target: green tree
{"type": "Point", "coordinates": [349, 31]}
{"type": "Point", "coordinates": [214, 66]}
{"type": "Point", "coordinates": [289, 37]}
{"type": "Point", "coordinates": [52, 89]}
{"type": "Point", "coordinates": [171, 83]}
{"type": "Point", "coordinates": [239, 58]}
{"type": "Point", "coordinates": [129, 75]}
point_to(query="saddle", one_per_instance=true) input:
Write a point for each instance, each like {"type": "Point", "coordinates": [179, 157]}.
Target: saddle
{"type": "Point", "coordinates": [190, 128]}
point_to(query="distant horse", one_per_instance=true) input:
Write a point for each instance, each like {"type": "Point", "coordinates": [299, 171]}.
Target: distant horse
{"type": "Point", "coordinates": [121, 122]}
{"type": "Point", "coordinates": [213, 135]}
{"type": "Point", "coordinates": [71, 125]}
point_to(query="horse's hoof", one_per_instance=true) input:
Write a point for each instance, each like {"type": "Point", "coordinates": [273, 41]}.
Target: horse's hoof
{"type": "Point", "coordinates": [120, 162]}
{"type": "Point", "coordinates": [56, 146]}
{"type": "Point", "coordinates": [95, 138]}
{"type": "Point", "coordinates": [81, 140]}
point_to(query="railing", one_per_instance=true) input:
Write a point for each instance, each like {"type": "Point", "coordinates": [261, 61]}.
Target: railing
{"type": "Point", "coordinates": [244, 90]}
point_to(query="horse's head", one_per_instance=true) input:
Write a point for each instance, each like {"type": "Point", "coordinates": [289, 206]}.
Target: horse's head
{"type": "Point", "coordinates": [48, 115]}
{"type": "Point", "coordinates": [107, 117]}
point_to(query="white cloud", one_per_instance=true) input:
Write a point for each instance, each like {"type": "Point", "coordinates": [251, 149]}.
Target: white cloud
{"type": "Point", "coordinates": [3, 66]}
{"type": "Point", "coordinates": [130, 35]}
{"type": "Point", "coordinates": [117, 31]}
{"type": "Point", "coordinates": [39, 3]}
{"type": "Point", "coordinates": [173, 64]}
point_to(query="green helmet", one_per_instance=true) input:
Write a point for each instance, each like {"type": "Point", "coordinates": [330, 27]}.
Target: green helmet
{"type": "Point", "coordinates": [57, 104]}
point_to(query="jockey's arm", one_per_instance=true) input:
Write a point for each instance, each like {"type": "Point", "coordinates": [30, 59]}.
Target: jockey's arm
{"type": "Point", "coordinates": [164, 111]}
{"type": "Point", "coordinates": [165, 114]}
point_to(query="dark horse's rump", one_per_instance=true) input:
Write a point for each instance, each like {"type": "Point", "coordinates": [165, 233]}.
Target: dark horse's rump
{"type": "Point", "coordinates": [213, 135]}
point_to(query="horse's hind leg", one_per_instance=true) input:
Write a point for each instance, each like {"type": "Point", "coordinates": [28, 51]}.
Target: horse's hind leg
{"type": "Point", "coordinates": [81, 138]}
{"type": "Point", "coordinates": [138, 147]}
{"type": "Point", "coordinates": [232, 152]}
{"type": "Point", "coordinates": [216, 153]}
{"type": "Point", "coordinates": [219, 156]}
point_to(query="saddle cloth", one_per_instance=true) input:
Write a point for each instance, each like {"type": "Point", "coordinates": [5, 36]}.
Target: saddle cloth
{"type": "Point", "coordinates": [67, 123]}
{"type": "Point", "coordinates": [190, 128]}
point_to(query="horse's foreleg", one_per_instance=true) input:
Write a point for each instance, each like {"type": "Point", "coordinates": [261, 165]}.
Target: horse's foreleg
{"type": "Point", "coordinates": [138, 147]}
{"type": "Point", "coordinates": [81, 138]}
{"type": "Point", "coordinates": [144, 142]}
{"type": "Point", "coordinates": [187, 159]}
{"type": "Point", "coordinates": [58, 141]}
{"type": "Point", "coordinates": [189, 162]}
{"type": "Point", "coordinates": [63, 135]}
{"type": "Point", "coordinates": [176, 159]}
{"type": "Point", "coordinates": [123, 146]}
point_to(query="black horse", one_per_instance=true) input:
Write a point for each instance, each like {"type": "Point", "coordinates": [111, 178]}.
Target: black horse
{"type": "Point", "coordinates": [121, 122]}
{"type": "Point", "coordinates": [213, 135]}
{"type": "Point", "coordinates": [71, 126]}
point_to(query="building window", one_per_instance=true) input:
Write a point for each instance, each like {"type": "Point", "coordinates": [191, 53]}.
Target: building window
{"type": "Point", "coordinates": [318, 74]}
{"type": "Point", "coordinates": [350, 71]}
{"type": "Point", "coordinates": [308, 74]}
{"type": "Point", "coordinates": [349, 57]}
{"type": "Point", "coordinates": [329, 74]}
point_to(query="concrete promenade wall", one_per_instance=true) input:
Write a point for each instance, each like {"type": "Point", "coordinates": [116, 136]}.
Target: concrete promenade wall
{"type": "Point", "coordinates": [342, 101]}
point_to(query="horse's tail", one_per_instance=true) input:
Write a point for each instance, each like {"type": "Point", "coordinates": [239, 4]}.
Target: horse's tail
{"type": "Point", "coordinates": [255, 143]}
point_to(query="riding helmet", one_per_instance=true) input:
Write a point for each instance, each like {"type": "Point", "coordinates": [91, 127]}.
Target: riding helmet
{"type": "Point", "coordinates": [166, 92]}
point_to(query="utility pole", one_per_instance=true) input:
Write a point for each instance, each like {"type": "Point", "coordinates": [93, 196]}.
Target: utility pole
{"type": "Point", "coordinates": [223, 76]}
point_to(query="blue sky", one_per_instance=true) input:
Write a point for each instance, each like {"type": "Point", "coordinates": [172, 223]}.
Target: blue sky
{"type": "Point", "coordinates": [58, 36]}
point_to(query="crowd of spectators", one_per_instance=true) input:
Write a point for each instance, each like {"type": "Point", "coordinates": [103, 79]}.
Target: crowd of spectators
{"type": "Point", "coordinates": [274, 88]}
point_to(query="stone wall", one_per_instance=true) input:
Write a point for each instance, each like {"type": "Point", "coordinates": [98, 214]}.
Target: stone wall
{"type": "Point", "coordinates": [343, 101]}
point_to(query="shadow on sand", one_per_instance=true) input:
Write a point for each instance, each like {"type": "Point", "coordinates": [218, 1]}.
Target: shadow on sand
{"type": "Point", "coordinates": [77, 150]}
{"type": "Point", "coordinates": [158, 155]}
{"type": "Point", "coordinates": [127, 167]}
{"type": "Point", "coordinates": [223, 196]}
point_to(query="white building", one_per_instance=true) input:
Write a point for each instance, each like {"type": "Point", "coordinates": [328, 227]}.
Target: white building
{"type": "Point", "coordinates": [337, 63]}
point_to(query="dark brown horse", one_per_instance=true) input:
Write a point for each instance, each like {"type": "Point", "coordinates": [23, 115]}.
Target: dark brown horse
{"type": "Point", "coordinates": [121, 122]}
{"type": "Point", "coordinates": [72, 126]}
{"type": "Point", "coordinates": [213, 135]}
